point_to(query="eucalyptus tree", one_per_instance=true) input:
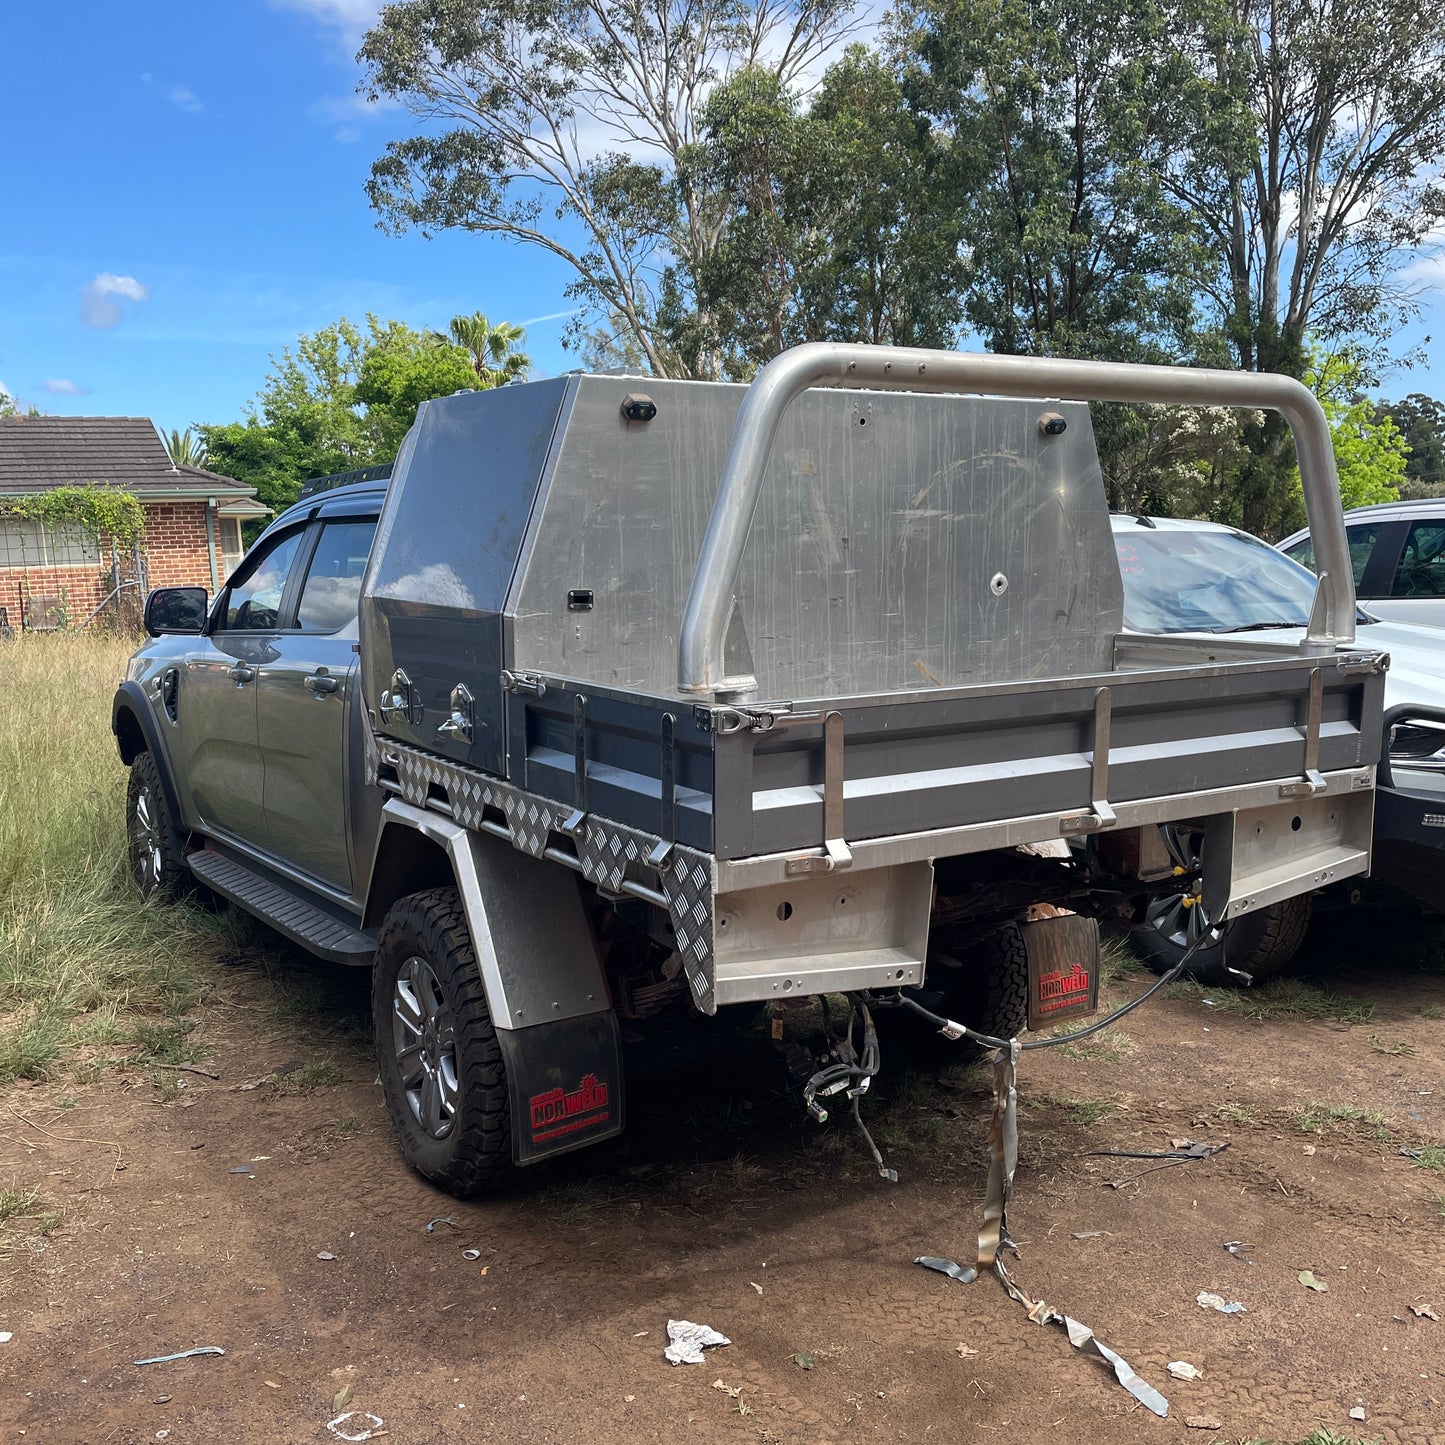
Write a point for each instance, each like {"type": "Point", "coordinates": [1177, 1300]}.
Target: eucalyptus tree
{"type": "Point", "coordinates": [1312, 179]}
{"type": "Point", "coordinates": [559, 124]}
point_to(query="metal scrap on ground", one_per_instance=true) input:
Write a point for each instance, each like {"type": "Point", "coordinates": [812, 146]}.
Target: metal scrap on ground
{"type": "Point", "coordinates": [181, 1355]}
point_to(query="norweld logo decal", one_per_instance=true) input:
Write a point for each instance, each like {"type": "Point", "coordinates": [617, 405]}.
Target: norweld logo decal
{"type": "Point", "coordinates": [557, 1112]}
{"type": "Point", "coordinates": [1433, 820]}
{"type": "Point", "coordinates": [1059, 990]}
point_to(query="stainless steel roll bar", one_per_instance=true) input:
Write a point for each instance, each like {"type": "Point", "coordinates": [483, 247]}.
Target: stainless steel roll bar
{"type": "Point", "coordinates": [781, 381]}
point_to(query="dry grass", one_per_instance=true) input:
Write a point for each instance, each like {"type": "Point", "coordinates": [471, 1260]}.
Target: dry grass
{"type": "Point", "coordinates": [82, 962]}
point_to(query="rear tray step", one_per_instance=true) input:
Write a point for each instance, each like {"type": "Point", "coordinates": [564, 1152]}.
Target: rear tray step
{"type": "Point", "coordinates": [300, 921]}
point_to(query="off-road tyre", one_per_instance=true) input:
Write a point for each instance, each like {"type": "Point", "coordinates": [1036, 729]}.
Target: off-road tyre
{"type": "Point", "coordinates": [154, 853]}
{"type": "Point", "coordinates": [985, 986]}
{"type": "Point", "coordinates": [475, 1156]}
{"type": "Point", "coordinates": [991, 991]}
{"type": "Point", "coordinates": [1261, 944]}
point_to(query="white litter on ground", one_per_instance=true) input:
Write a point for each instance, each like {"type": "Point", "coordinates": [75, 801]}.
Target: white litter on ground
{"type": "Point", "coordinates": [689, 1341]}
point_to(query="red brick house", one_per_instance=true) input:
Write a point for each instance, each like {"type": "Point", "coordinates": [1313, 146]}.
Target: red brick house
{"type": "Point", "coordinates": [193, 517]}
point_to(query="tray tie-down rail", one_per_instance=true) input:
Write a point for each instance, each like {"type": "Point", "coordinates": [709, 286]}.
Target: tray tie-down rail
{"type": "Point", "coordinates": [702, 667]}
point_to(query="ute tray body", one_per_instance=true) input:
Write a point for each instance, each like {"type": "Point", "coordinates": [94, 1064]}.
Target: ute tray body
{"type": "Point", "coordinates": [928, 609]}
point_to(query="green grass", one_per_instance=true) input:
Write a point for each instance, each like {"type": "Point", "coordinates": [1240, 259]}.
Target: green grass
{"type": "Point", "coordinates": [1399, 1049]}
{"type": "Point", "coordinates": [1432, 1158]}
{"type": "Point", "coordinates": [1236, 1113]}
{"type": "Point", "coordinates": [324, 1075]}
{"type": "Point", "coordinates": [1430, 1011]}
{"type": "Point", "coordinates": [1279, 998]}
{"type": "Point", "coordinates": [1316, 1118]}
{"type": "Point", "coordinates": [1322, 1436]}
{"type": "Point", "coordinates": [81, 960]}
{"type": "Point", "coordinates": [1089, 1111]}
{"type": "Point", "coordinates": [1117, 960]}
{"type": "Point", "coordinates": [27, 1207]}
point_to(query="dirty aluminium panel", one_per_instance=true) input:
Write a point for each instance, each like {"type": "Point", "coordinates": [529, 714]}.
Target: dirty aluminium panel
{"type": "Point", "coordinates": [461, 494]}
{"type": "Point", "coordinates": [901, 542]}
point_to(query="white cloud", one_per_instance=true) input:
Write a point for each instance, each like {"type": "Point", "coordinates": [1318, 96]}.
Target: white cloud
{"type": "Point", "coordinates": [350, 107]}
{"type": "Point", "coordinates": [551, 316]}
{"type": "Point", "coordinates": [185, 99]}
{"type": "Point", "coordinates": [63, 386]}
{"type": "Point", "coordinates": [349, 18]}
{"type": "Point", "coordinates": [98, 307]}
{"type": "Point", "coordinates": [346, 112]}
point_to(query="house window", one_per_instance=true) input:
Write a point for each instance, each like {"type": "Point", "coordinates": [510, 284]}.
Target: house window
{"type": "Point", "coordinates": [231, 548]}
{"type": "Point", "coordinates": [25, 543]}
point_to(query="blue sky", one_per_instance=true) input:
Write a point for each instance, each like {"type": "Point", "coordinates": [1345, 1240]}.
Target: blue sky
{"type": "Point", "coordinates": [210, 158]}
{"type": "Point", "coordinates": [183, 195]}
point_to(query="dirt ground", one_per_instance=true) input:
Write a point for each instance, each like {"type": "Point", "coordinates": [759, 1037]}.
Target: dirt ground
{"type": "Point", "coordinates": [315, 1271]}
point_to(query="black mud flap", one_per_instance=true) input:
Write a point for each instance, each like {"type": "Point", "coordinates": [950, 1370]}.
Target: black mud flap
{"type": "Point", "coordinates": [566, 1084]}
{"type": "Point", "coordinates": [1063, 954]}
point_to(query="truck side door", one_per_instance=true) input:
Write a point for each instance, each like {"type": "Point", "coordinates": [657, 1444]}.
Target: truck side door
{"type": "Point", "coordinates": [303, 705]}
{"type": "Point", "coordinates": [216, 715]}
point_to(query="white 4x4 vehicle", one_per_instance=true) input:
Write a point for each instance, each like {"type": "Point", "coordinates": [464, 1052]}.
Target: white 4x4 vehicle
{"type": "Point", "coordinates": [1397, 550]}
{"type": "Point", "coordinates": [1202, 579]}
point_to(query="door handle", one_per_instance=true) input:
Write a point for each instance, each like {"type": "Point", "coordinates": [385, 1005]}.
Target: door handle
{"type": "Point", "coordinates": [241, 674]}
{"type": "Point", "coordinates": [320, 683]}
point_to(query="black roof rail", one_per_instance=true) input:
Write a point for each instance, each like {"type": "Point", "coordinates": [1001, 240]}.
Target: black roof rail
{"type": "Point", "coordinates": [316, 485]}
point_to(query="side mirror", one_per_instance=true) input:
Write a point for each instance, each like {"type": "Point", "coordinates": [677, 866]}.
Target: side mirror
{"type": "Point", "coordinates": [175, 610]}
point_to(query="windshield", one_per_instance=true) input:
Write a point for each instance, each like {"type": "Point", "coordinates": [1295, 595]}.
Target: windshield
{"type": "Point", "coordinates": [1177, 581]}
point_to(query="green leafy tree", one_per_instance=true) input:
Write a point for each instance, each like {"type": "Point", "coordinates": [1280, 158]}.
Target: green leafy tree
{"type": "Point", "coordinates": [185, 448]}
{"type": "Point", "coordinates": [1421, 420]}
{"type": "Point", "coordinates": [495, 348]}
{"type": "Point", "coordinates": [342, 398]}
{"type": "Point", "coordinates": [806, 249]}
{"type": "Point", "coordinates": [1058, 115]}
{"type": "Point", "coordinates": [394, 381]}
{"type": "Point", "coordinates": [560, 124]}
{"type": "Point", "coordinates": [7, 404]}
{"type": "Point", "coordinates": [1311, 175]}
{"type": "Point", "coordinates": [1370, 451]}
{"type": "Point", "coordinates": [251, 453]}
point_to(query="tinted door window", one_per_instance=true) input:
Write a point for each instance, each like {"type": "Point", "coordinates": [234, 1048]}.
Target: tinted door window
{"type": "Point", "coordinates": [1421, 571]}
{"type": "Point", "coordinates": [332, 589]}
{"type": "Point", "coordinates": [1360, 539]}
{"type": "Point", "coordinates": [253, 604]}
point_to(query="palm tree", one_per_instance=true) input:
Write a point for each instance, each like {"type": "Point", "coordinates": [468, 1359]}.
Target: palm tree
{"type": "Point", "coordinates": [184, 449]}
{"type": "Point", "coordinates": [494, 348]}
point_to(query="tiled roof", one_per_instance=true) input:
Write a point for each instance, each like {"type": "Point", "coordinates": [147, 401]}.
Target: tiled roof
{"type": "Point", "coordinates": [40, 452]}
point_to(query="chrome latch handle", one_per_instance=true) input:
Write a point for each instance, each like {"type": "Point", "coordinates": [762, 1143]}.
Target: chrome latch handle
{"type": "Point", "coordinates": [458, 727]}
{"type": "Point", "coordinates": [399, 703]}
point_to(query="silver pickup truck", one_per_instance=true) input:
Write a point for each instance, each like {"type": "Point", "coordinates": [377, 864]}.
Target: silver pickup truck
{"type": "Point", "coordinates": [623, 697]}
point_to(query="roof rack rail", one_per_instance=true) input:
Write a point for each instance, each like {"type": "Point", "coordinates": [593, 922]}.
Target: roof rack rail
{"type": "Point", "coordinates": [316, 485]}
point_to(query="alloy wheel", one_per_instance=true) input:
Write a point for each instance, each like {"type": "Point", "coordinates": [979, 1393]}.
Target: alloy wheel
{"type": "Point", "coordinates": [145, 843]}
{"type": "Point", "coordinates": [424, 1036]}
{"type": "Point", "coordinates": [1180, 917]}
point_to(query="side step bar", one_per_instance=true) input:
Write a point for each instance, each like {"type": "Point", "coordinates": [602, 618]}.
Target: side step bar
{"type": "Point", "coordinates": [300, 921]}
